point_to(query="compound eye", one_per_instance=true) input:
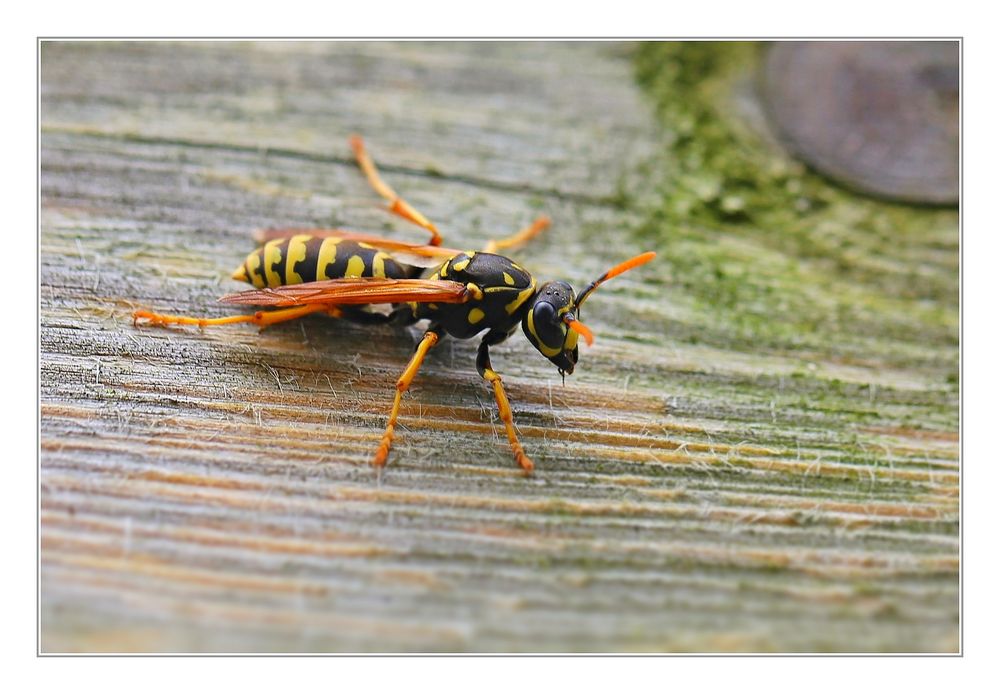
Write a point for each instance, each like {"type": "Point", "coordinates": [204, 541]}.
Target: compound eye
{"type": "Point", "coordinates": [548, 327]}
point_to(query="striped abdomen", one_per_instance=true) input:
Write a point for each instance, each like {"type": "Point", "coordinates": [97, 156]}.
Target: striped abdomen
{"type": "Point", "coordinates": [305, 258]}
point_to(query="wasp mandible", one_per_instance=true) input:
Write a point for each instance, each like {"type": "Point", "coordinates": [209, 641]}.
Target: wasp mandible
{"type": "Point", "coordinates": [344, 274]}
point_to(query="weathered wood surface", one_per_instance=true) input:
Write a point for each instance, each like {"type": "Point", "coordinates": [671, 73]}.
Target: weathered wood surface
{"type": "Point", "coordinates": [210, 491]}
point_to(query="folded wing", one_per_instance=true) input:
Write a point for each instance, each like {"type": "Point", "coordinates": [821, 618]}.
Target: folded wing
{"type": "Point", "coordinates": [354, 291]}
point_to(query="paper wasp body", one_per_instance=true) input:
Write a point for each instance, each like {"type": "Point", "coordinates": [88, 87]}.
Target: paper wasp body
{"type": "Point", "coordinates": [343, 274]}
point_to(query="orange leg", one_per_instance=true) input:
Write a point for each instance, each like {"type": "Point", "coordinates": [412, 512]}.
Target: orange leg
{"type": "Point", "coordinates": [523, 236]}
{"type": "Point", "coordinates": [382, 452]}
{"type": "Point", "coordinates": [263, 319]}
{"type": "Point", "coordinates": [503, 405]}
{"type": "Point", "coordinates": [397, 205]}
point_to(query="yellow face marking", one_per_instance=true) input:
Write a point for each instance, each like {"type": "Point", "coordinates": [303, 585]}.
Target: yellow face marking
{"type": "Point", "coordinates": [378, 264]}
{"type": "Point", "coordinates": [253, 264]}
{"type": "Point", "coordinates": [327, 255]}
{"type": "Point", "coordinates": [272, 257]}
{"type": "Point", "coordinates": [571, 338]}
{"type": "Point", "coordinates": [355, 266]}
{"type": "Point", "coordinates": [296, 253]}
{"type": "Point", "coordinates": [508, 279]}
{"type": "Point", "coordinates": [571, 335]}
{"type": "Point", "coordinates": [521, 297]}
{"type": "Point", "coordinates": [476, 315]}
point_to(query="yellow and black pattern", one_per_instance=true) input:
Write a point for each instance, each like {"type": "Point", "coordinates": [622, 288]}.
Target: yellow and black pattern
{"type": "Point", "coordinates": [505, 287]}
{"type": "Point", "coordinates": [305, 258]}
{"type": "Point", "coordinates": [469, 294]}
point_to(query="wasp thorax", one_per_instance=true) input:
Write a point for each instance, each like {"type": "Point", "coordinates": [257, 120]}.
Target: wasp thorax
{"type": "Point", "coordinates": [545, 325]}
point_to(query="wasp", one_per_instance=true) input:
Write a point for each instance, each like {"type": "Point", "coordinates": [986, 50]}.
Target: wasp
{"type": "Point", "coordinates": [351, 275]}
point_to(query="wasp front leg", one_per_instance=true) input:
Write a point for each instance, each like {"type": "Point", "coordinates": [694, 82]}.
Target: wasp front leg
{"type": "Point", "coordinates": [521, 237]}
{"type": "Point", "coordinates": [503, 405]}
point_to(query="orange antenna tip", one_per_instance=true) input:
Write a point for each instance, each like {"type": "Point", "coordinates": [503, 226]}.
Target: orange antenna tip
{"type": "Point", "coordinates": [629, 264]}
{"type": "Point", "coordinates": [618, 269]}
{"type": "Point", "coordinates": [583, 330]}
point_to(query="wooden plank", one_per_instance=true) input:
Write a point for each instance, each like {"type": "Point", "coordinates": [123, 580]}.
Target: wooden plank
{"type": "Point", "coordinates": [209, 491]}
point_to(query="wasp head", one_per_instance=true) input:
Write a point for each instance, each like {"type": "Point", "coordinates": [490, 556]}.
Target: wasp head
{"type": "Point", "coordinates": [552, 322]}
{"type": "Point", "coordinates": [547, 325]}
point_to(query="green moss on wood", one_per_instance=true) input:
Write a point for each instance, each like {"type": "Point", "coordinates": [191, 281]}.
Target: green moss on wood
{"type": "Point", "coordinates": [768, 258]}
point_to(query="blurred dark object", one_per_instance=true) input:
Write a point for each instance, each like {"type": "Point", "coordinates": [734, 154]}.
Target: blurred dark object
{"type": "Point", "coordinates": [878, 116]}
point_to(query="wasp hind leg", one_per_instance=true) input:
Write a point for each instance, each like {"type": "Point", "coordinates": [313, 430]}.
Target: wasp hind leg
{"type": "Point", "coordinates": [263, 319]}
{"type": "Point", "coordinates": [430, 339]}
{"type": "Point", "coordinates": [503, 404]}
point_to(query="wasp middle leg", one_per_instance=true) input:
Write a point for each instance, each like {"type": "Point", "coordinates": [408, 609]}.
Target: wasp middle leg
{"type": "Point", "coordinates": [430, 339]}
{"type": "Point", "coordinates": [397, 205]}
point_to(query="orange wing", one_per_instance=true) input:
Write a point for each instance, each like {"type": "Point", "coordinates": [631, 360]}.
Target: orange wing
{"type": "Point", "coordinates": [354, 290]}
{"type": "Point", "coordinates": [414, 254]}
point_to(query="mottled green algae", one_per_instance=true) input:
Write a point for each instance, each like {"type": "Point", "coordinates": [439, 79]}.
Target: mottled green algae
{"type": "Point", "coordinates": [770, 258]}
